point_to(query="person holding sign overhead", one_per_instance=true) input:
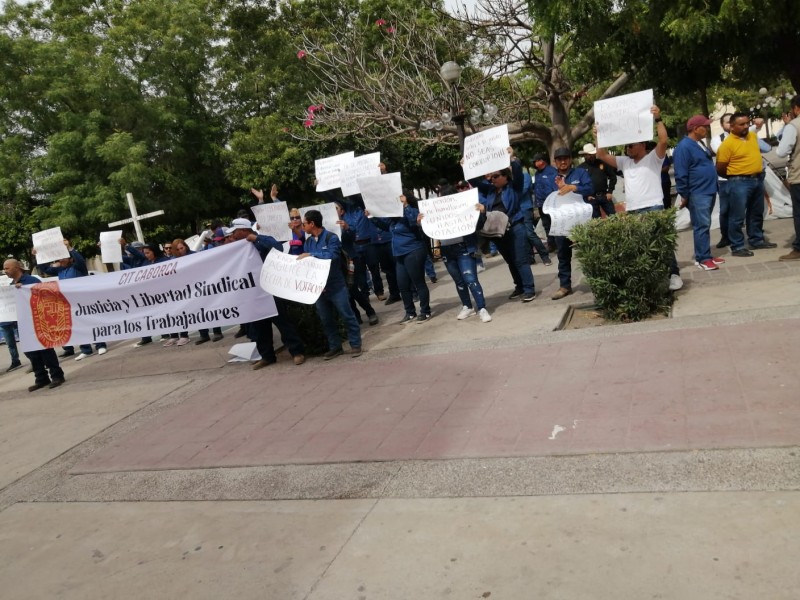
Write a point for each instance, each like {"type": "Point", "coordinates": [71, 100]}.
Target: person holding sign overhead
{"type": "Point", "coordinates": [409, 255]}
{"type": "Point", "coordinates": [642, 171]}
{"type": "Point", "coordinates": [500, 191]}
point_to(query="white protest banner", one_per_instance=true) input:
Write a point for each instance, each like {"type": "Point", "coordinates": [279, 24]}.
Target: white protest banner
{"type": "Point", "coordinates": [624, 119]}
{"type": "Point", "coordinates": [326, 170]}
{"type": "Point", "coordinates": [8, 306]}
{"type": "Point", "coordinates": [381, 195]}
{"type": "Point", "coordinates": [199, 291]}
{"type": "Point", "coordinates": [449, 217]}
{"type": "Point", "coordinates": [273, 220]}
{"type": "Point", "coordinates": [360, 166]}
{"type": "Point", "coordinates": [329, 216]}
{"type": "Point", "coordinates": [49, 246]}
{"type": "Point", "coordinates": [486, 151]}
{"type": "Point", "coordinates": [110, 250]}
{"type": "Point", "coordinates": [284, 276]}
{"type": "Point", "coordinates": [565, 212]}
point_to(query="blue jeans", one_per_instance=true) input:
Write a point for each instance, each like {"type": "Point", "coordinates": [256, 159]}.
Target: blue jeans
{"type": "Point", "coordinates": [513, 247]}
{"type": "Point", "coordinates": [463, 268]}
{"type": "Point", "coordinates": [430, 270]}
{"type": "Point", "coordinates": [11, 342]}
{"type": "Point", "coordinates": [328, 304]}
{"type": "Point", "coordinates": [411, 270]}
{"type": "Point", "coordinates": [673, 266]}
{"type": "Point", "coordinates": [700, 207]}
{"type": "Point", "coordinates": [530, 233]}
{"type": "Point", "coordinates": [724, 208]}
{"type": "Point", "coordinates": [564, 247]}
{"type": "Point", "coordinates": [746, 203]}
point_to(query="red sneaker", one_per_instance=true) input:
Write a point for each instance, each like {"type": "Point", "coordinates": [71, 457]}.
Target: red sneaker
{"type": "Point", "coordinates": [707, 265]}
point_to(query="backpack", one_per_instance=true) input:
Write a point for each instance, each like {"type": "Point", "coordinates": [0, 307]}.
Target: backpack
{"type": "Point", "coordinates": [346, 264]}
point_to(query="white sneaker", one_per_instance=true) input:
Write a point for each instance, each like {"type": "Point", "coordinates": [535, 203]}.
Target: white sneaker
{"type": "Point", "coordinates": [675, 283]}
{"type": "Point", "coordinates": [465, 313]}
{"type": "Point", "coordinates": [484, 315]}
{"type": "Point", "coordinates": [81, 356]}
{"type": "Point", "coordinates": [102, 351]}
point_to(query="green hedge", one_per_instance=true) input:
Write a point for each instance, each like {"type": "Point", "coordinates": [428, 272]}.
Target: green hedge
{"type": "Point", "coordinates": [626, 261]}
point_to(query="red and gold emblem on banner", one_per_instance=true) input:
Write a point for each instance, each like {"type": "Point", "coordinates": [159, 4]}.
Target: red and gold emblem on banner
{"type": "Point", "coordinates": [52, 314]}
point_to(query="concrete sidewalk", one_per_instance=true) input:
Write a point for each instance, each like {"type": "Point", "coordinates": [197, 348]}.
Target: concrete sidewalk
{"type": "Point", "coordinates": [500, 460]}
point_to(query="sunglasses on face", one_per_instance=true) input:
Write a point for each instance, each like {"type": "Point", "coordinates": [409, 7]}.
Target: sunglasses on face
{"type": "Point", "coordinates": [167, 247]}
{"type": "Point", "coordinates": [294, 218]}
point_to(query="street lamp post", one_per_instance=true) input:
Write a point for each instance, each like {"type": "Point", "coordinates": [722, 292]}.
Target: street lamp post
{"type": "Point", "coordinates": [450, 73]}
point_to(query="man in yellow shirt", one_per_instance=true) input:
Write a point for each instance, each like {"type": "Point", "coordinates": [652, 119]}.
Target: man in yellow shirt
{"type": "Point", "coordinates": [739, 159]}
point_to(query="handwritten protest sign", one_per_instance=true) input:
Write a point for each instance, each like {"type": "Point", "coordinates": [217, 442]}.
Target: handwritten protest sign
{"type": "Point", "coordinates": [624, 119]}
{"type": "Point", "coordinates": [326, 170]}
{"type": "Point", "coordinates": [194, 243]}
{"type": "Point", "coordinates": [381, 195]}
{"type": "Point", "coordinates": [49, 245]}
{"type": "Point", "coordinates": [329, 216]}
{"type": "Point", "coordinates": [8, 306]}
{"type": "Point", "coordinates": [450, 216]}
{"type": "Point", "coordinates": [486, 151]}
{"type": "Point", "coordinates": [565, 212]}
{"type": "Point", "coordinates": [353, 170]}
{"type": "Point", "coordinates": [284, 276]}
{"type": "Point", "coordinates": [110, 250]}
{"type": "Point", "coordinates": [273, 220]}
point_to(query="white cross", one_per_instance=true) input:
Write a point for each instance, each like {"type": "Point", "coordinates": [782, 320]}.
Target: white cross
{"type": "Point", "coordinates": [135, 218]}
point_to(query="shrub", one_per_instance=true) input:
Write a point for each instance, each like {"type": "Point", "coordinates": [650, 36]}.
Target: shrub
{"type": "Point", "coordinates": [305, 319]}
{"type": "Point", "coordinates": [626, 261]}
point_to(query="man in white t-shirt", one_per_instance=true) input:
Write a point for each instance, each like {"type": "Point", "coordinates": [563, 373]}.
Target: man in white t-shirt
{"type": "Point", "coordinates": [642, 172]}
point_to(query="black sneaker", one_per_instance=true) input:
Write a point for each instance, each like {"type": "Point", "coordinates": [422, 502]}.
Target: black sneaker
{"type": "Point", "coordinates": [202, 340]}
{"type": "Point", "coordinates": [407, 319]}
{"type": "Point", "coordinates": [741, 252]}
{"type": "Point", "coordinates": [37, 386]}
{"type": "Point", "coordinates": [528, 297]}
{"type": "Point", "coordinates": [723, 243]}
{"type": "Point", "coordinates": [764, 246]}
{"type": "Point", "coordinates": [14, 366]}
{"type": "Point", "coordinates": [373, 319]}
{"type": "Point", "coordinates": [55, 383]}
{"type": "Point", "coordinates": [424, 317]}
{"type": "Point", "coordinates": [515, 294]}
{"type": "Point", "coordinates": [392, 300]}
{"type": "Point", "coordinates": [241, 333]}
{"type": "Point", "coordinates": [330, 354]}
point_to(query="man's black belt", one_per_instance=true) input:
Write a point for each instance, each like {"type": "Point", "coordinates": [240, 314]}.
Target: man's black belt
{"type": "Point", "coordinates": [360, 242]}
{"type": "Point", "coordinates": [756, 176]}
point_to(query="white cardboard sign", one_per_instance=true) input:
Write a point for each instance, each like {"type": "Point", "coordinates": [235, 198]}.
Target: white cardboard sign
{"type": "Point", "coordinates": [486, 151]}
{"type": "Point", "coordinates": [565, 212]}
{"type": "Point", "coordinates": [360, 166]}
{"type": "Point", "coordinates": [303, 280]}
{"type": "Point", "coordinates": [624, 119]}
{"type": "Point", "coordinates": [273, 220]}
{"type": "Point", "coordinates": [381, 195]}
{"type": "Point", "coordinates": [110, 250]}
{"type": "Point", "coordinates": [450, 217]}
{"type": "Point", "coordinates": [49, 246]}
{"type": "Point", "coordinates": [8, 305]}
{"type": "Point", "coordinates": [326, 170]}
{"type": "Point", "coordinates": [329, 216]}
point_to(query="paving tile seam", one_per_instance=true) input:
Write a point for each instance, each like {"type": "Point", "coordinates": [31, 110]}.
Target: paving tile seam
{"type": "Point", "coordinates": [58, 466]}
{"type": "Point", "coordinates": [760, 469]}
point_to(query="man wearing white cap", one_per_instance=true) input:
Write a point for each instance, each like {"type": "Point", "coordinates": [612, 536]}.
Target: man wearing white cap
{"type": "Point", "coordinates": [696, 184]}
{"type": "Point", "coordinates": [604, 180]}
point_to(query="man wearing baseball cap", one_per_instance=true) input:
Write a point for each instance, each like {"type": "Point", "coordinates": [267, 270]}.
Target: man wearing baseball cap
{"type": "Point", "coordinates": [696, 184]}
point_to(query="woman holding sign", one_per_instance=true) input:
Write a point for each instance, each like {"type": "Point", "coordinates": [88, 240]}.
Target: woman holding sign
{"type": "Point", "coordinates": [500, 191]}
{"type": "Point", "coordinates": [409, 253]}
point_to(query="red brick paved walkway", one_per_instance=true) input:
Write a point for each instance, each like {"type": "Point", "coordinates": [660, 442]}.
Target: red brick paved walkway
{"type": "Point", "coordinates": [731, 386]}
